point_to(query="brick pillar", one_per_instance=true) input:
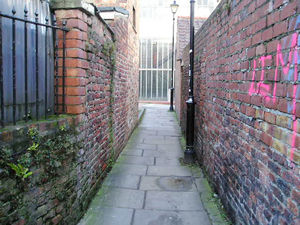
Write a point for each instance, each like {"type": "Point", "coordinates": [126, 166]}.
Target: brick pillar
{"type": "Point", "coordinates": [76, 14]}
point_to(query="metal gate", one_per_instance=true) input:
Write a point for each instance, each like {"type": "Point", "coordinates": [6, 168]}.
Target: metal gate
{"type": "Point", "coordinates": [28, 61]}
{"type": "Point", "coordinates": [155, 69]}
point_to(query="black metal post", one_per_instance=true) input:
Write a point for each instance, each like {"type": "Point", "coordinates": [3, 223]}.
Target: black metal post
{"type": "Point", "coordinates": [172, 77]}
{"type": "Point", "coordinates": [189, 153]}
{"type": "Point", "coordinates": [14, 66]}
{"type": "Point", "coordinates": [56, 66]}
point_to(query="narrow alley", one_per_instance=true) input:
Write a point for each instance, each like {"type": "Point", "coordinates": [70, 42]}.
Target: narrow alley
{"type": "Point", "coordinates": [149, 112]}
{"type": "Point", "coordinates": [148, 185]}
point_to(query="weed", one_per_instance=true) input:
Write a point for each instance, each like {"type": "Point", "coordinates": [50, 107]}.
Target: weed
{"type": "Point", "coordinates": [33, 147]}
{"type": "Point", "coordinates": [20, 170]}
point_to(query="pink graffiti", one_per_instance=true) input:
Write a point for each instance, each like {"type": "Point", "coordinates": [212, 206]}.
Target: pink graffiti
{"type": "Point", "coordinates": [285, 69]}
{"type": "Point", "coordinates": [264, 89]}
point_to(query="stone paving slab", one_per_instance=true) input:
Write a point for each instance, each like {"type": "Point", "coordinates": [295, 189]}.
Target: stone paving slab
{"type": "Point", "coordinates": [147, 146]}
{"type": "Point", "coordinates": [108, 216]}
{"type": "Point", "coordinates": [164, 200]}
{"type": "Point", "coordinates": [133, 152]}
{"type": "Point", "coordinates": [172, 133]}
{"type": "Point", "coordinates": [166, 162]}
{"type": "Point", "coordinates": [170, 147]}
{"type": "Point", "coordinates": [155, 217]}
{"type": "Point", "coordinates": [163, 154]}
{"type": "Point", "coordinates": [158, 183]}
{"type": "Point", "coordinates": [122, 181]}
{"type": "Point", "coordinates": [168, 171]}
{"type": "Point", "coordinates": [119, 198]}
{"type": "Point", "coordinates": [138, 160]}
{"type": "Point", "coordinates": [124, 169]}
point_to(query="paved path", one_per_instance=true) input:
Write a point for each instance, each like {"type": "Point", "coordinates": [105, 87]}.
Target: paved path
{"type": "Point", "coordinates": [147, 185]}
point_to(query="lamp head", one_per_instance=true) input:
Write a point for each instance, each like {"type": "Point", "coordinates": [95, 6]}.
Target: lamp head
{"type": "Point", "coordinates": [174, 7]}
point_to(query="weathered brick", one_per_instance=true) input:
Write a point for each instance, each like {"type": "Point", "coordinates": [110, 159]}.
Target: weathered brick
{"type": "Point", "coordinates": [260, 50]}
{"type": "Point", "coordinates": [279, 146]}
{"type": "Point", "coordinates": [280, 28]}
{"type": "Point", "coordinates": [288, 10]}
{"type": "Point", "coordinates": [77, 23]}
{"type": "Point", "coordinates": [267, 139]}
{"type": "Point", "coordinates": [270, 117]}
{"type": "Point", "coordinates": [75, 109]}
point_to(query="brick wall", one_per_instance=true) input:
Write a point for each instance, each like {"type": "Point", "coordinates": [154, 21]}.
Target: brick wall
{"type": "Point", "coordinates": [111, 84]}
{"type": "Point", "coordinates": [102, 96]}
{"type": "Point", "coordinates": [182, 39]}
{"type": "Point", "coordinates": [126, 79]}
{"type": "Point", "coordinates": [127, 68]}
{"type": "Point", "coordinates": [247, 95]}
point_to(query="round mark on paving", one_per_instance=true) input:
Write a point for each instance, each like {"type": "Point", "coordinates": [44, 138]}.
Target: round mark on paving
{"type": "Point", "coordinates": [167, 220]}
{"type": "Point", "coordinates": [175, 183]}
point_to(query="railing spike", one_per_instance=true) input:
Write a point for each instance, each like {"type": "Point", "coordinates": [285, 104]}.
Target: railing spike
{"type": "Point", "coordinates": [14, 10]}
{"type": "Point", "coordinates": [26, 10]}
{"type": "Point", "coordinates": [36, 14]}
{"type": "Point", "coordinates": [54, 20]}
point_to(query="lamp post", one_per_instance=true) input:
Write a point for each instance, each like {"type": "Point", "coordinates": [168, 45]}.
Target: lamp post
{"type": "Point", "coordinates": [189, 153]}
{"type": "Point", "coordinates": [174, 8]}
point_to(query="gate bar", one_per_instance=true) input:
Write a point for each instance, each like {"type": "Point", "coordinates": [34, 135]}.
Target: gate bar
{"type": "Point", "coordinates": [46, 67]}
{"type": "Point", "coordinates": [34, 22]}
{"type": "Point", "coordinates": [26, 61]}
{"type": "Point", "coordinates": [37, 65]}
{"type": "Point", "coordinates": [14, 66]}
{"type": "Point", "coordinates": [1, 76]}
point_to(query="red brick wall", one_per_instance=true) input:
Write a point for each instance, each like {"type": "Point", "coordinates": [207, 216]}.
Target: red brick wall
{"type": "Point", "coordinates": [126, 79]}
{"type": "Point", "coordinates": [107, 94]}
{"type": "Point", "coordinates": [247, 107]}
{"type": "Point", "coordinates": [182, 39]}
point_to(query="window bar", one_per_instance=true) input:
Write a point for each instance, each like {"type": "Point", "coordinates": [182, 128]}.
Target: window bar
{"type": "Point", "coordinates": [26, 62]}
{"type": "Point", "coordinates": [46, 67]}
{"type": "Point", "coordinates": [146, 74]}
{"type": "Point", "coordinates": [14, 64]}
{"type": "Point", "coordinates": [157, 50]}
{"type": "Point", "coordinates": [1, 76]}
{"type": "Point", "coordinates": [151, 84]}
{"type": "Point", "coordinates": [144, 67]}
{"type": "Point", "coordinates": [162, 73]}
{"type": "Point", "coordinates": [64, 67]}
{"type": "Point", "coordinates": [56, 65]}
{"type": "Point", "coordinates": [37, 64]}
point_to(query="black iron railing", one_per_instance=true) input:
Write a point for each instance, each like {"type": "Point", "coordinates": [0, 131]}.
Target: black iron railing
{"type": "Point", "coordinates": [36, 67]}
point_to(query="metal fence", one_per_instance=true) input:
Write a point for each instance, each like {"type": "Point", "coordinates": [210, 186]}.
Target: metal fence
{"type": "Point", "coordinates": [155, 69]}
{"type": "Point", "coordinates": [32, 80]}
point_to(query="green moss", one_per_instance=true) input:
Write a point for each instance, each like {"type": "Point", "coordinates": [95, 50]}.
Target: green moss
{"type": "Point", "coordinates": [213, 205]}
{"type": "Point", "coordinates": [22, 124]}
